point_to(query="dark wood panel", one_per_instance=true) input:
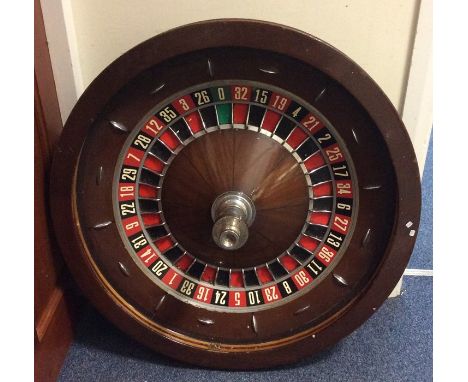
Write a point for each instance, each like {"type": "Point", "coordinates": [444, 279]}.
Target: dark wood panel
{"type": "Point", "coordinates": [46, 266]}
{"type": "Point", "coordinates": [51, 348]}
{"type": "Point", "coordinates": [54, 304]}
{"type": "Point", "coordinates": [44, 79]}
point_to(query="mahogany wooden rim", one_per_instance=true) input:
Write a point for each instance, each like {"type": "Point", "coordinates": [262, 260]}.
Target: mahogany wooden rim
{"type": "Point", "coordinates": [254, 35]}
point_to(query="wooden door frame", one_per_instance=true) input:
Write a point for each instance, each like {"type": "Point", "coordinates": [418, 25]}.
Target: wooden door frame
{"type": "Point", "coordinates": [54, 305]}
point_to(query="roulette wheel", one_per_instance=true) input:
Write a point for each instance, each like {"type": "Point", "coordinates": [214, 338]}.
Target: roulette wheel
{"type": "Point", "coordinates": [235, 194]}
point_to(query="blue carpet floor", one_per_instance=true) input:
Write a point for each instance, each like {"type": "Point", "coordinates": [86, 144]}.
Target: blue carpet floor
{"type": "Point", "coordinates": [395, 344]}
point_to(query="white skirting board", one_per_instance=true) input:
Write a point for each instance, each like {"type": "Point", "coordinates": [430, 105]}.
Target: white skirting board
{"type": "Point", "coordinates": [410, 272]}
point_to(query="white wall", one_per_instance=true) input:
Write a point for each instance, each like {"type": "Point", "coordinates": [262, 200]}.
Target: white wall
{"type": "Point", "coordinates": [378, 35]}
{"type": "Point", "coordinates": [417, 111]}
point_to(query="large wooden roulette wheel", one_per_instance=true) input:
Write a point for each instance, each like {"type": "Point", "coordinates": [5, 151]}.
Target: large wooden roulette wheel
{"type": "Point", "coordinates": [235, 194]}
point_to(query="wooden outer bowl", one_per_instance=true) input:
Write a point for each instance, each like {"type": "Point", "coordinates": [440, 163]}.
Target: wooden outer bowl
{"type": "Point", "coordinates": [378, 250]}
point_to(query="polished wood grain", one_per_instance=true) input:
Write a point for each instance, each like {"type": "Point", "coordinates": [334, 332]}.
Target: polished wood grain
{"type": "Point", "coordinates": [54, 305]}
{"type": "Point", "coordinates": [243, 161]}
